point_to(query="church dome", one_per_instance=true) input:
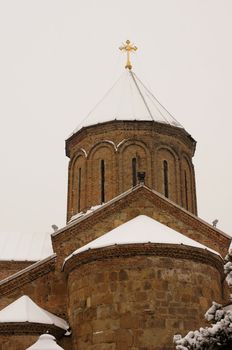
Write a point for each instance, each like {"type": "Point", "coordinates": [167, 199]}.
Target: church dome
{"type": "Point", "coordinates": [128, 99]}
{"type": "Point", "coordinates": [127, 133]}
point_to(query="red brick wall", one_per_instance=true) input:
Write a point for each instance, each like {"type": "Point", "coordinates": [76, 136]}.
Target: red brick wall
{"type": "Point", "coordinates": [117, 143]}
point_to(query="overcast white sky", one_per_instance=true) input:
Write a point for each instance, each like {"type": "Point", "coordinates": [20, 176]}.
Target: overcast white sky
{"type": "Point", "coordinates": [58, 58]}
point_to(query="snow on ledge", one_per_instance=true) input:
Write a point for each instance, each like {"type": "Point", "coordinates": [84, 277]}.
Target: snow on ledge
{"type": "Point", "coordinates": [81, 214]}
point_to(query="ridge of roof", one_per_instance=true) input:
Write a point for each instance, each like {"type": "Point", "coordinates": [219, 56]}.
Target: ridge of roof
{"type": "Point", "coordinates": [128, 99]}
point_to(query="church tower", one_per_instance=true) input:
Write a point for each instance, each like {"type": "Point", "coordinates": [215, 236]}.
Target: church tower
{"type": "Point", "coordinates": [128, 134]}
{"type": "Point", "coordinates": [134, 265]}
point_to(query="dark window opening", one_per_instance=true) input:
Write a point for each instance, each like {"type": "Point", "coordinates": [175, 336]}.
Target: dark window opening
{"type": "Point", "coordinates": [79, 191]}
{"type": "Point", "coordinates": [102, 179]}
{"type": "Point", "coordinates": [165, 170]}
{"type": "Point", "coordinates": [134, 172]}
{"type": "Point", "coordinates": [186, 189]}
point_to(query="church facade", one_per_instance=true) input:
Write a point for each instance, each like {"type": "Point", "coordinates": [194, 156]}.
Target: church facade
{"type": "Point", "coordinates": [135, 264]}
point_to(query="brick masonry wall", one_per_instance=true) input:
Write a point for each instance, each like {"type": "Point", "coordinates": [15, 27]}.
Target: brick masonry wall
{"type": "Point", "coordinates": [8, 268]}
{"type": "Point", "coordinates": [117, 143]}
{"type": "Point", "coordinates": [138, 302]}
{"type": "Point", "coordinates": [48, 291]}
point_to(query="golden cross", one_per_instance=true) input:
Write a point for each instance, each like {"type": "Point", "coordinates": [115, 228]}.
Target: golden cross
{"type": "Point", "coordinates": [128, 47]}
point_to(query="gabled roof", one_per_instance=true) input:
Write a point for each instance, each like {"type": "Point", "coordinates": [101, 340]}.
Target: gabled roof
{"type": "Point", "coordinates": [128, 99]}
{"type": "Point", "coordinates": [141, 229]}
{"type": "Point", "coordinates": [25, 310]}
{"type": "Point", "coordinates": [175, 217]}
{"type": "Point", "coordinates": [25, 246]}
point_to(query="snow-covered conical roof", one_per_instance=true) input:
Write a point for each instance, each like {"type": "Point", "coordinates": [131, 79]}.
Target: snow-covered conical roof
{"type": "Point", "coordinates": [25, 310]}
{"type": "Point", "coordinates": [45, 342]}
{"type": "Point", "coordinates": [128, 99]}
{"type": "Point", "coordinates": [141, 229]}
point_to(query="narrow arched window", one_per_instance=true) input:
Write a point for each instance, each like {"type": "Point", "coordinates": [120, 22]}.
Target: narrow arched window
{"type": "Point", "coordinates": [79, 191]}
{"type": "Point", "coordinates": [165, 175]}
{"type": "Point", "coordinates": [102, 180]}
{"type": "Point", "coordinates": [186, 189]}
{"type": "Point", "coordinates": [134, 172]}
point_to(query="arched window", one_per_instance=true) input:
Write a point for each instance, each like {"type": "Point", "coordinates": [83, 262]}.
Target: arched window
{"type": "Point", "coordinates": [186, 189]}
{"type": "Point", "coordinates": [102, 180]}
{"type": "Point", "coordinates": [165, 175]}
{"type": "Point", "coordinates": [134, 172]}
{"type": "Point", "coordinates": [79, 191]}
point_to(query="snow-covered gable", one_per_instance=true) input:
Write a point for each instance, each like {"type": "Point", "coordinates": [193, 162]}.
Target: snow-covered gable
{"type": "Point", "coordinates": [128, 99]}
{"type": "Point", "coordinates": [25, 310]}
{"type": "Point", "coordinates": [27, 246]}
{"type": "Point", "coordinates": [141, 229]}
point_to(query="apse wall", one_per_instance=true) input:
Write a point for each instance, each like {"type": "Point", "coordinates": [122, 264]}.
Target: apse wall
{"type": "Point", "coordinates": [139, 296]}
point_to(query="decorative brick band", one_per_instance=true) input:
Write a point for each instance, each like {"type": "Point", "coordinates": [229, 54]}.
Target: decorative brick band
{"type": "Point", "coordinates": [174, 251]}
{"type": "Point", "coordinates": [26, 328]}
{"type": "Point", "coordinates": [27, 275]}
{"type": "Point", "coordinates": [162, 128]}
{"type": "Point", "coordinates": [15, 265]}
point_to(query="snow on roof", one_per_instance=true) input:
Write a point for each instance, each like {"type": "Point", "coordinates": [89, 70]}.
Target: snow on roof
{"type": "Point", "coordinates": [141, 229]}
{"type": "Point", "coordinates": [128, 99]}
{"type": "Point", "coordinates": [45, 342]}
{"type": "Point", "coordinates": [25, 310]}
{"type": "Point", "coordinates": [81, 214]}
{"type": "Point", "coordinates": [28, 246]}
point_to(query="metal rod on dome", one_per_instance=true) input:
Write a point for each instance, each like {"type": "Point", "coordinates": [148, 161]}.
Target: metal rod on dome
{"type": "Point", "coordinates": [141, 95]}
{"type": "Point", "coordinates": [149, 92]}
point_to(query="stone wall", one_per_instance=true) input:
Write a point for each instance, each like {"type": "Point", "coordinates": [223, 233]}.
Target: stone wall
{"type": "Point", "coordinates": [138, 302]}
{"type": "Point", "coordinates": [17, 341]}
{"type": "Point", "coordinates": [117, 143]}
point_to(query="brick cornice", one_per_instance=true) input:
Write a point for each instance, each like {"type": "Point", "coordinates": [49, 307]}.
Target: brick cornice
{"type": "Point", "coordinates": [174, 251]}
{"type": "Point", "coordinates": [113, 125]}
{"type": "Point", "coordinates": [27, 275]}
{"type": "Point", "coordinates": [30, 328]}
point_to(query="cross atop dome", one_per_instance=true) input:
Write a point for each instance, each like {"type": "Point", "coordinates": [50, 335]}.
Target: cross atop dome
{"type": "Point", "coordinates": [128, 99]}
{"type": "Point", "coordinates": [128, 47]}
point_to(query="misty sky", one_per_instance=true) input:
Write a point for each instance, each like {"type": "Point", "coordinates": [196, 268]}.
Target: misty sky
{"type": "Point", "coordinates": [57, 60]}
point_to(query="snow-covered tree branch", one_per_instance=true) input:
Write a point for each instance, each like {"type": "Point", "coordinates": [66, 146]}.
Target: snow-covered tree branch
{"type": "Point", "coordinates": [219, 334]}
